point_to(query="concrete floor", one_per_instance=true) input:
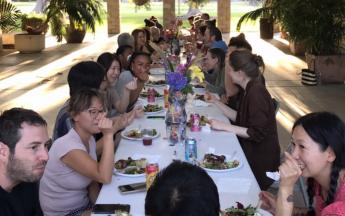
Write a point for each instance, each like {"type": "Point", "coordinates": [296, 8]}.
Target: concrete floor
{"type": "Point", "coordinates": [38, 81]}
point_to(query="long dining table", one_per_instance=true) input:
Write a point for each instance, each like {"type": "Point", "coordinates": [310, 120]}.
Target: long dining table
{"type": "Point", "coordinates": [236, 185]}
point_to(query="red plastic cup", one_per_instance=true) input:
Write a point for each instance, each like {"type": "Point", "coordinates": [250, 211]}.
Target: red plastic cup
{"type": "Point", "coordinates": [147, 140]}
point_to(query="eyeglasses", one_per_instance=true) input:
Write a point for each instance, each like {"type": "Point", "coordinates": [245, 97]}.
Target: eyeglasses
{"type": "Point", "coordinates": [95, 112]}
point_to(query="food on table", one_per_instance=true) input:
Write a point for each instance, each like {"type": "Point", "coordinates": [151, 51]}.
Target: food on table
{"type": "Point", "coordinates": [144, 94]}
{"type": "Point", "coordinates": [203, 121]}
{"type": "Point", "coordinates": [218, 162]}
{"type": "Point", "coordinates": [199, 86]}
{"type": "Point", "coordinates": [131, 166]}
{"type": "Point", "coordinates": [158, 82]}
{"type": "Point", "coordinates": [152, 108]}
{"type": "Point", "coordinates": [200, 97]}
{"type": "Point", "coordinates": [240, 210]}
{"type": "Point", "coordinates": [134, 170]}
{"type": "Point", "coordinates": [134, 134]}
{"type": "Point", "coordinates": [137, 134]}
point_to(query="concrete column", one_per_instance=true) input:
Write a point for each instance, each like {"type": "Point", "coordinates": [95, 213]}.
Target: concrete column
{"type": "Point", "coordinates": [223, 15]}
{"type": "Point", "coordinates": [113, 7]}
{"type": "Point", "coordinates": [168, 12]}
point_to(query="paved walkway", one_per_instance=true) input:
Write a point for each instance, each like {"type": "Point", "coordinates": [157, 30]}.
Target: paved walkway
{"type": "Point", "coordinates": [38, 81]}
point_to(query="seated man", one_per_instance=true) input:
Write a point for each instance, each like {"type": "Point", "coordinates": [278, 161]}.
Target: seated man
{"type": "Point", "coordinates": [23, 156]}
{"type": "Point", "coordinates": [214, 38]}
{"type": "Point", "coordinates": [182, 189]}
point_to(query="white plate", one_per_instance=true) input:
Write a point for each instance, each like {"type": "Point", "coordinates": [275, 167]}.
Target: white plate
{"type": "Point", "coordinates": [224, 170]}
{"type": "Point", "coordinates": [152, 113]}
{"type": "Point", "coordinates": [123, 134]}
{"type": "Point", "coordinates": [142, 97]}
{"type": "Point", "coordinates": [155, 85]}
{"type": "Point", "coordinates": [157, 71]}
{"type": "Point", "coordinates": [127, 175]}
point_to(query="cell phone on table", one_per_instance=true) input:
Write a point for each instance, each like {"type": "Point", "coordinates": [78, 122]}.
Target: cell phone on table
{"type": "Point", "coordinates": [110, 208]}
{"type": "Point", "coordinates": [132, 188]}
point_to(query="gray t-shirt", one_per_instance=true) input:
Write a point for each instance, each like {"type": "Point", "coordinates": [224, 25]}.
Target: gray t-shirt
{"type": "Point", "coordinates": [62, 189]}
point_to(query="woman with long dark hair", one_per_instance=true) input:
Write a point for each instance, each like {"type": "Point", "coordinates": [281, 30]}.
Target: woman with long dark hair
{"type": "Point", "coordinates": [318, 153]}
{"type": "Point", "coordinates": [254, 122]}
{"type": "Point", "coordinates": [213, 67]}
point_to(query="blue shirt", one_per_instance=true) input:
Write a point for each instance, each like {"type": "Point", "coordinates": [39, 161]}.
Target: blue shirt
{"type": "Point", "coordinates": [219, 44]}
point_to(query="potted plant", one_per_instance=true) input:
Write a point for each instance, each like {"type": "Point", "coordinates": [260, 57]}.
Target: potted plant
{"type": "Point", "coordinates": [197, 3]}
{"type": "Point", "coordinates": [33, 39]}
{"type": "Point", "coordinates": [269, 13]}
{"type": "Point", "coordinates": [79, 14]}
{"type": "Point", "coordinates": [9, 17]}
{"type": "Point", "coordinates": [320, 26]}
{"type": "Point", "coordinates": [142, 3]}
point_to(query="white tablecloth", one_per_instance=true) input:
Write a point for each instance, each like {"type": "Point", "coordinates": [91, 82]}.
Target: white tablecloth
{"type": "Point", "coordinates": [237, 185]}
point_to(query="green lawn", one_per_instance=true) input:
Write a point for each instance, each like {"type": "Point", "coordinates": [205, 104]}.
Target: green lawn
{"type": "Point", "coordinates": [132, 18]}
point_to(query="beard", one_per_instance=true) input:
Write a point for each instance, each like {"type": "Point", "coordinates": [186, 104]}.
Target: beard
{"type": "Point", "coordinates": [21, 170]}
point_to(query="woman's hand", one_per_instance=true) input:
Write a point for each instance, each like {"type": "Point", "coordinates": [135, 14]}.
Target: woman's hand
{"type": "Point", "coordinates": [139, 111]}
{"type": "Point", "coordinates": [210, 98]}
{"type": "Point", "coordinates": [119, 123]}
{"type": "Point", "coordinates": [218, 125]}
{"type": "Point", "coordinates": [289, 172]}
{"type": "Point", "coordinates": [105, 125]}
{"type": "Point", "coordinates": [132, 85]}
{"type": "Point", "coordinates": [268, 202]}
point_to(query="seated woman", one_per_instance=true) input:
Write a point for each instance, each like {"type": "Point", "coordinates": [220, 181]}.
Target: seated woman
{"type": "Point", "coordinates": [318, 153]}
{"type": "Point", "coordinates": [213, 68]}
{"type": "Point", "coordinates": [234, 93]}
{"type": "Point", "coordinates": [141, 41]}
{"type": "Point", "coordinates": [255, 123]}
{"type": "Point", "coordinates": [70, 183]}
{"type": "Point", "coordinates": [116, 102]}
{"type": "Point", "coordinates": [139, 66]}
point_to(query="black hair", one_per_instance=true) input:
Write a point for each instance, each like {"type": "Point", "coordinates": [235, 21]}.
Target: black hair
{"type": "Point", "coordinates": [328, 131]}
{"type": "Point", "coordinates": [82, 100]}
{"type": "Point", "coordinates": [106, 60]}
{"type": "Point", "coordinates": [219, 54]}
{"type": "Point", "coordinates": [214, 31]}
{"type": "Point", "coordinates": [11, 122]}
{"type": "Point", "coordinates": [86, 74]}
{"type": "Point", "coordinates": [240, 42]}
{"type": "Point", "coordinates": [211, 23]}
{"type": "Point", "coordinates": [136, 55]}
{"type": "Point", "coordinates": [182, 189]}
{"type": "Point", "coordinates": [205, 16]}
{"type": "Point", "coordinates": [202, 29]}
{"type": "Point", "coordinates": [248, 62]}
{"type": "Point", "coordinates": [149, 23]}
{"type": "Point", "coordinates": [120, 50]}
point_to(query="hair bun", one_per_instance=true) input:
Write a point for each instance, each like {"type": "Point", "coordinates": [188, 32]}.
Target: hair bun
{"type": "Point", "coordinates": [258, 60]}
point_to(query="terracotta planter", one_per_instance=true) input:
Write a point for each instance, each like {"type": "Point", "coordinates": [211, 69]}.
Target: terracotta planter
{"type": "Point", "coordinates": [26, 43]}
{"type": "Point", "coordinates": [297, 49]}
{"type": "Point", "coordinates": [8, 40]}
{"type": "Point", "coordinates": [75, 35]}
{"type": "Point", "coordinates": [266, 28]}
{"type": "Point", "coordinates": [329, 69]}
